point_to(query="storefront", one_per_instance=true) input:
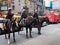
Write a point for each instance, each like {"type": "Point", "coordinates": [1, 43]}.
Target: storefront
{"type": "Point", "coordinates": [40, 7]}
{"type": "Point", "coordinates": [4, 5]}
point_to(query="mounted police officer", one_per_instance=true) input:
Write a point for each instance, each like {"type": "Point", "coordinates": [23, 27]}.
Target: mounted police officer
{"type": "Point", "coordinates": [10, 17]}
{"type": "Point", "coordinates": [9, 14]}
{"type": "Point", "coordinates": [35, 16]}
{"type": "Point", "coordinates": [37, 22]}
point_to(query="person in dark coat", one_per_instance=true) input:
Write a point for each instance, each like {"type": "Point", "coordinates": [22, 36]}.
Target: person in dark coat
{"type": "Point", "coordinates": [35, 16]}
{"type": "Point", "coordinates": [9, 14]}
{"type": "Point", "coordinates": [8, 28]}
{"type": "Point", "coordinates": [24, 14]}
{"type": "Point", "coordinates": [37, 22]}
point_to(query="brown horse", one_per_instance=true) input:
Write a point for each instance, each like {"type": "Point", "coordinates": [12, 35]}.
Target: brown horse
{"type": "Point", "coordinates": [10, 28]}
{"type": "Point", "coordinates": [30, 23]}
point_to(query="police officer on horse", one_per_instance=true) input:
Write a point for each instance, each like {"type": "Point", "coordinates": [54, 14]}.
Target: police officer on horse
{"type": "Point", "coordinates": [37, 22]}
{"type": "Point", "coordinates": [9, 17]}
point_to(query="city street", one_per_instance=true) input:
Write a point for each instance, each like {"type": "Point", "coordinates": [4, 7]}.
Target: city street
{"type": "Point", "coordinates": [50, 36]}
{"type": "Point", "coordinates": [28, 13]}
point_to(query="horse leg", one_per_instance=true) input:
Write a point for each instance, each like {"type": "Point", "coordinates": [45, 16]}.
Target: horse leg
{"type": "Point", "coordinates": [20, 29]}
{"type": "Point", "coordinates": [18, 32]}
{"type": "Point", "coordinates": [30, 29]}
{"type": "Point", "coordinates": [14, 36]}
{"type": "Point", "coordinates": [39, 31]}
{"type": "Point", "coordinates": [39, 27]}
{"type": "Point", "coordinates": [26, 32]}
{"type": "Point", "coordinates": [5, 36]}
{"type": "Point", "coordinates": [9, 38]}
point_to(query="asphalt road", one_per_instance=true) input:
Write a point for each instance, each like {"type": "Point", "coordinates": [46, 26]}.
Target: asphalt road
{"type": "Point", "coordinates": [50, 36]}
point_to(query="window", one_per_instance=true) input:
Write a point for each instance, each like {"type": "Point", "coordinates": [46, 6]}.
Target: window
{"type": "Point", "coordinates": [41, 1]}
{"type": "Point", "coordinates": [4, 6]}
{"type": "Point", "coordinates": [19, 2]}
{"type": "Point", "coordinates": [12, 1]}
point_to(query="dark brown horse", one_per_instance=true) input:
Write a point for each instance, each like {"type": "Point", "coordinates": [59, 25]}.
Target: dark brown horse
{"type": "Point", "coordinates": [30, 23]}
{"type": "Point", "coordinates": [10, 27]}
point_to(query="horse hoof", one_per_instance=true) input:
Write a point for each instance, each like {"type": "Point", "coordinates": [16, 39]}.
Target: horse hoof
{"type": "Point", "coordinates": [31, 37]}
{"type": "Point", "coordinates": [14, 41]}
{"type": "Point", "coordinates": [39, 33]}
{"type": "Point", "coordinates": [27, 37]}
{"type": "Point", "coordinates": [5, 37]}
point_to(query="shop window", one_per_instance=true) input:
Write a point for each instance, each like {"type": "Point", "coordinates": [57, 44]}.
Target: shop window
{"type": "Point", "coordinates": [13, 7]}
{"type": "Point", "coordinates": [41, 1]}
{"type": "Point", "coordinates": [4, 6]}
{"type": "Point", "coordinates": [19, 2]}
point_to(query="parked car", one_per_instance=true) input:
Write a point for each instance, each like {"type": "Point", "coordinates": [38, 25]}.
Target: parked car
{"type": "Point", "coordinates": [53, 17]}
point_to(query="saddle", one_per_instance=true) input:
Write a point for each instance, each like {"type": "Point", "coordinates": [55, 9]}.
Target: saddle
{"type": "Point", "coordinates": [22, 22]}
{"type": "Point", "coordinates": [26, 22]}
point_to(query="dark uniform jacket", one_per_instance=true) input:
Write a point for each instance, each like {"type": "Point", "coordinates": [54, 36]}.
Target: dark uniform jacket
{"type": "Point", "coordinates": [24, 14]}
{"type": "Point", "coordinates": [9, 15]}
{"type": "Point", "coordinates": [35, 15]}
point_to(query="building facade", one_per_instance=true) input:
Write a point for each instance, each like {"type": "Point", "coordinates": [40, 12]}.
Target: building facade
{"type": "Point", "coordinates": [40, 7]}
{"type": "Point", "coordinates": [4, 4]}
{"type": "Point", "coordinates": [33, 5]}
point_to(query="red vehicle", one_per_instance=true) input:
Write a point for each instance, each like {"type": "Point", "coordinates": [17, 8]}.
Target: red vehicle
{"type": "Point", "coordinates": [53, 17]}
